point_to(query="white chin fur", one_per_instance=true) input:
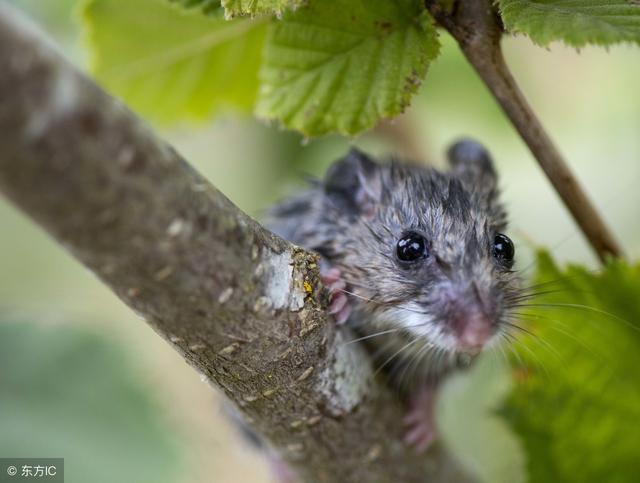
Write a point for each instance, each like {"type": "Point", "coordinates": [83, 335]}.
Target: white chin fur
{"type": "Point", "coordinates": [409, 316]}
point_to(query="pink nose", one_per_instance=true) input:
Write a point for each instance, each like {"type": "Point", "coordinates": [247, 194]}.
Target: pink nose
{"type": "Point", "coordinates": [473, 332]}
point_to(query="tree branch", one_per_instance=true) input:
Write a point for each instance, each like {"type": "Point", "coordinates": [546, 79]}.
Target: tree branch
{"type": "Point", "coordinates": [476, 26]}
{"type": "Point", "coordinates": [241, 305]}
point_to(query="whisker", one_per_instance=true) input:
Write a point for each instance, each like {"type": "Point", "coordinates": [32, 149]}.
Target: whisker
{"type": "Point", "coordinates": [403, 348]}
{"type": "Point", "coordinates": [517, 356]}
{"type": "Point", "coordinates": [370, 336]}
{"type": "Point", "coordinates": [366, 299]}
{"type": "Point", "coordinates": [415, 363]}
{"type": "Point", "coordinates": [565, 330]}
{"type": "Point", "coordinates": [538, 340]}
{"type": "Point", "coordinates": [544, 319]}
{"type": "Point", "coordinates": [504, 354]}
{"type": "Point", "coordinates": [582, 307]}
{"type": "Point", "coordinates": [568, 334]}
{"type": "Point", "coordinates": [531, 295]}
{"type": "Point", "coordinates": [535, 357]}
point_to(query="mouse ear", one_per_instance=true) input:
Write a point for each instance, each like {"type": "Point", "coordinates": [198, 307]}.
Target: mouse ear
{"type": "Point", "coordinates": [471, 162]}
{"type": "Point", "coordinates": [353, 183]}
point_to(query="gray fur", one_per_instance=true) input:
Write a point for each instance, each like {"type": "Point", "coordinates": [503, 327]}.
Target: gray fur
{"type": "Point", "coordinates": [459, 214]}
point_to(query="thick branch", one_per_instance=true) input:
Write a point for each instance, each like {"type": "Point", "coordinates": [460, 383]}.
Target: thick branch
{"type": "Point", "coordinates": [476, 26]}
{"type": "Point", "coordinates": [241, 305]}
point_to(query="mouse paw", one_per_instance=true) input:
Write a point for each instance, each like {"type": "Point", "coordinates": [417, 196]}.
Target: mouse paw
{"type": "Point", "coordinates": [280, 471]}
{"type": "Point", "coordinates": [420, 420]}
{"type": "Point", "coordinates": [339, 305]}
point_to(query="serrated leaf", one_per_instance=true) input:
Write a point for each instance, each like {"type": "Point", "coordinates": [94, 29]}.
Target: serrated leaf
{"type": "Point", "coordinates": [170, 64]}
{"type": "Point", "coordinates": [208, 7]}
{"type": "Point", "coordinates": [254, 7]}
{"type": "Point", "coordinates": [66, 392]}
{"type": "Point", "coordinates": [576, 22]}
{"type": "Point", "coordinates": [577, 406]}
{"type": "Point", "coordinates": [342, 65]}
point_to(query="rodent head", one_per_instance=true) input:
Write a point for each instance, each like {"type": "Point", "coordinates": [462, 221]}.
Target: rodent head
{"type": "Point", "coordinates": [422, 250]}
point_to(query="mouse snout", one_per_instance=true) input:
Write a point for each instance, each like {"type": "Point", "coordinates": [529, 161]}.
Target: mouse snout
{"type": "Point", "coordinates": [468, 319]}
{"type": "Point", "coordinates": [472, 331]}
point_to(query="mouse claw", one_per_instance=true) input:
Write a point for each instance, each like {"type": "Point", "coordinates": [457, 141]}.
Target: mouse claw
{"type": "Point", "coordinates": [419, 420]}
{"type": "Point", "coordinates": [420, 438]}
{"type": "Point", "coordinates": [343, 314]}
{"type": "Point", "coordinates": [339, 305]}
{"type": "Point", "coordinates": [330, 276]}
{"type": "Point", "coordinates": [338, 302]}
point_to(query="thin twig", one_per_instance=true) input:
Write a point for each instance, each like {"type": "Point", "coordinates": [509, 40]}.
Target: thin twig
{"type": "Point", "coordinates": [476, 26]}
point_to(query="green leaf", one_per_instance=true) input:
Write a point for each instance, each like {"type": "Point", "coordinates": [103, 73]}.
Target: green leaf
{"type": "Point", "coordinates": [208, 7]}
{"type": "Point", "coordinates": [342, 65]}
{"type": "Point", "coordinates": [235, 8]}
{"type": "Point", "coordinates": [65, 392]}
{"type": "Point", "coordinates": [576, 22]}
{"type": "Point", "coordinates": [577, 405]}
{"type": "Point", "coordinates": [253, 7]}
{"type": "Point", "coordinates": [170, 64]}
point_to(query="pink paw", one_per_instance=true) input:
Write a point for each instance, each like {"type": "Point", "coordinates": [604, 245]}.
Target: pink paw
{"type": "Point", "coordinates": [420, 421]}
{"type": "Point", "coordinates": [339, 305]}
{"type": "Point", "coordinates": [280, 471]}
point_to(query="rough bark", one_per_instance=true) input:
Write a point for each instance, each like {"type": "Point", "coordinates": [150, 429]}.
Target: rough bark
{"type": "Point", "coordinates": [242, 306]}
{"type": "Point", "coordinates": [476, 26]}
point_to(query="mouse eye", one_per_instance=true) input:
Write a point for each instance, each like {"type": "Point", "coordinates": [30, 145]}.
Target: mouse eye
{"type": "Point", "coordinates": [503, 249]}
{"type": "Point", "coordinates": [411, 247]}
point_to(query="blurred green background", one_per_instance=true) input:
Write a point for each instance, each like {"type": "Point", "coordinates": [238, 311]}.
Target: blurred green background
{"type": "Point", "coordinates": [81, 377]}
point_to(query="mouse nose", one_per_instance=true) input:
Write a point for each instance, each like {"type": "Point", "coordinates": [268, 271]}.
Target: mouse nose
{"type": "Point", "coordinates": [472, 331]}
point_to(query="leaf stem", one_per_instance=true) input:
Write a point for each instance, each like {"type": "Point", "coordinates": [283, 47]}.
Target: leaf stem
{"type": "Point", "coordinates": [477, 27]}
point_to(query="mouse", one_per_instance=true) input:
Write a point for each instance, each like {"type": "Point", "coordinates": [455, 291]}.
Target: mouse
{"type": "Point", "coordinates": [416, 262]}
